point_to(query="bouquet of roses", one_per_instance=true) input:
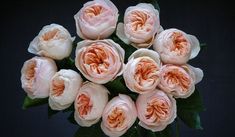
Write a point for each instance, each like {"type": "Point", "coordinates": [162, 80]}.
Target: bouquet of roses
{"type": "Point", "coordinates": [117, 83]}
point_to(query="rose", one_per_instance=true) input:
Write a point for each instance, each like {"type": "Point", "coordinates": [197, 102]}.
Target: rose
{"type": "Point", "coordinates": [175, 46]}
{"type": "Point", "coordinates": [179, 80]}
{"type": "Point", "coordinates": [36, 74]}
{"type": "Point", "coordinates": [53, 41]}
{"type": "Point", "coordinates": [96, 20]}
{"type": "Point", "coordinates": [141, 23]}
{"type": "Point", "coordinates": [141, 73]}
{"type": "Point", "coordinates": [156, 110]}
{"type": "Point", "coordinates": [118, 116]}
{"type": "Point", "coordinates": [89, 104]}
{"type": "Point", "coordinates": [99, 61]}
{"type": "Point", "coordinates": [64, 87]}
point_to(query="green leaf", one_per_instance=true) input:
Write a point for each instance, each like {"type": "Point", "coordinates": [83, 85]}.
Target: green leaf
{"type": "Point", "coordinates": [116, 86]}
{"type": "Point", "coordinates": [93, 131]}
{"type": "Point", "coordinates": [28, 102]}
{"type": "Point", "coordinates": [203, 46]}
{"type": "Point", "coordinates": [167, 132]}
{"type": "Point", "coordinates": [132, 132]}
{"type": "Point", "coordinates": [66, 63]}
{"type": "Point", "coordinates": [153, 2]}
{"type": "Point", "coordinates": [51, 112]}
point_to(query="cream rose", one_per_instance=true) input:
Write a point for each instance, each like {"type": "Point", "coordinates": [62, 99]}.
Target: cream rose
{"type": "Point", "coordinates": [175, 46]}
{"type": "Point", "coordinates": [36, 74]}
{"type": "Point", "coordinates": [179, 80]}
{"type": "Point", "coordinates": [64, 87]}
{"type": "Point", "coordinates": [118, 116]}
{"type": "Point", "coordinates": [142, 71]}
{"type": "Point", "coordinates": [99, 61]}
{"type": "Point", "coordinates": [53, 41]}
{"type": "Point", "coordinates": [156, 110]}
{"type": "Point", "coordinates": [89, 104]}
{"type": "Point", "coordinates": [141, 23]}
{"type": "Point", "coordinates": [96, 20]}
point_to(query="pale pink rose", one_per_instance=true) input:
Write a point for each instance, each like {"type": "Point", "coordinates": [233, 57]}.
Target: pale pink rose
{"type": "Point", "coordinates": [141, 23]}
{"type": "Point", "coordinates": [175, 46]}
{"type": "Point", "coordinates": [90, 103]}
{"type": "Point", "coordinates": [99, 61]}
{"type": "Point", "coordinates": [64, 87]}
{"type": "Point", "coordinates": [118, 116]}
{"type": "Point", "coordinates": [156, 110]}
{"type": "Point", "coordinates": [96, 20]}
{"type": "Point", "coordinates": [180, 80]}
{"type": "Point", "coordinates": [36, 74]}
{"type": "Point", "coordinates": [142, 71]}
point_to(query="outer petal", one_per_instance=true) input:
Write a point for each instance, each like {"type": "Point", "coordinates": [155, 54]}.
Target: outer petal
{"type": "Point", "coordinates": [195, 46]}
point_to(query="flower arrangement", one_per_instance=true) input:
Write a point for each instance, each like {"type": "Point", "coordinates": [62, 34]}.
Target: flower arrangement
{"type": "Point", "coordinates": [129, 77]}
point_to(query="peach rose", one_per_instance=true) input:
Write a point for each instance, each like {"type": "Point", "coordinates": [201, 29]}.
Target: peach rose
{"type": "Point", "coordinates": [99, 61]}
{"type": "Point", "coordinates": [53, 41]}
{"type": "Point", "coordinates": [96, 20]}
{"type": "Point", "coordinates": [141, 23]}
{"type": "Point", "coordinates": [118, 116]}
{"type": "Point", "coordinates": [180, 80]}
{"type": "Point", "coordinates": [156, 110]}
{"type": "Point", "coordinates": [142, 71]}
{"type": "Point", "coordinates": [36, 74]}
{"type": "Point", "coordinates": [89, 104]}
{"type": "Point", "coordinates": [64, 87]}
{"type": "Point", "coordinates": [176, 47]}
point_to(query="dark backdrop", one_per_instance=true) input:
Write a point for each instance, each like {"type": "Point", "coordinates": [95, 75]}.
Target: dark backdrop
{"type": "Point", "coordinates": [212, 22]}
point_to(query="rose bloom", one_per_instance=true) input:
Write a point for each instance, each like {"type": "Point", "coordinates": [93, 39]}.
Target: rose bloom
{"type": "Point", "coordinates": [96, 20]}
{"type": "Point", "coordinates": [99, 61]}
{"type": "Point", "coordinates": [175, 46]}
{"type": "Point", "coordinates": [180, 80]}
{"type": "Point", "coordinates": [64, 87]}
{"type": "Point", "coordinates": [53, 41]}
{"type": "Point", "coordinates": [141, 23]}
{"type": "Point", "coordinates": [118, 116]}
{"type": "Point", "coordinates": [142, 71]}
{"type": "Point", "coordinates": [156, 110]}
{"type": "Point", "coordinates": [36, 74]}
{"type": "Point", "coordinates": [89, 104]}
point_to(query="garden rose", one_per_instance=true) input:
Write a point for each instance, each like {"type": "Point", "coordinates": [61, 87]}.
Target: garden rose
{"type": "Point", "coordinates": [96, 20]}
{"type": "Point", "coordinates": [118, 116]}
{"type": "Point", "coordinates": [99, 61]}
{"type": "Point", "coordinates": [64, 87]}
{"type": "Point", "coordinates": [141, 23]}
{"type": "Point", "coordinates": [53, 41]}
{"type": "Point", "coordinates": [156, 110]}
{"type": "Point", "coordinates": [142, 71]}
{"type": "Point", "coordinates": [36, 74]}
{"type": "Point", "coordinates": [89, 104]}
{"type": "Point", "coordinates": [175, 46]}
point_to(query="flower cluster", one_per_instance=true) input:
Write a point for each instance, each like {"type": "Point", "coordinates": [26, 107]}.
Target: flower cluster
{"type": "Point", "coordinates": [157, 75]}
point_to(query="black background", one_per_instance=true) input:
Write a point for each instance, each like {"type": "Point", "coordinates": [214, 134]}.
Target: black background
{"type": "Point", "coordinates": [211, 21]}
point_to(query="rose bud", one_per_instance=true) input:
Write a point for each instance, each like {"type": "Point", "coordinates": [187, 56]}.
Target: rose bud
{"type": "Point", "coordinates": [96, 20]}
{"type": "Point", "coordinates": [141, 23]}
{"type": "Point", "coordinates": [99, 61]}
{"type": "Point", "coordinates": [142, 71]}
{"type": "Point", "coordinates": [53, 41]}
{"type": "Point", "coordinates": [36, 74]}
{"type": "Point", "coordinates": [89, 104]}
{"type": "Point", "coordinates": [64, 87]}
{"type": "Point", "coordinates": [118, 116]}
{"type": "Point", "coordinates": [155, 110]}
{"type": "Point", "coordinates": [180, 80]}
{"type": "Point", "coordinates": [175, 46]}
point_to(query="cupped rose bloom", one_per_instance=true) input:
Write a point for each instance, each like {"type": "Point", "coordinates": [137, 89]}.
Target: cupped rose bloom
{"type": "Point", "coordinates": [64, 87]}
{"type": "Point", "coordinates": [99, 61]}
{"type": "Point", "coordinates": [118, 116]}
{"type": "Point", "coordinates": [179, 80]}
{"type": "Point", "coordinates": [96, 20]}
{"type": "Point", "coordinates": [90, 103]}
{"type": "Point", "coordinates": [141, 23]}
{"type": "Point", "coordinates": [142, 71]}
{"type": "Point", "coordinates": [53, 41]}
{"type": "Point", "coordinates": [36, 74]}
{"type": "Point", "coordinates": [156, 110]}
{"type": "Point", "coordinates": [175, 46]}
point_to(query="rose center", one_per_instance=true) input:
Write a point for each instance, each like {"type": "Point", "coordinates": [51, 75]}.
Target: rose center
{"type": "Point", "coordinates": [116, 118]}
{"type": "Point", "coordinates": [58, 87]}
{"type": "Point", "coordinates": [138, 20]}
{"type": "Point", "coordinates": [94, 10]}
{"type": "Point", "coordinates": [30, 73]}
{"type": "Point", "coordinates": [84, 104]}
{"type": "Point", "coordinates": [180, 43]}
{"type": "Point", "coordinates": [50, 35]}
